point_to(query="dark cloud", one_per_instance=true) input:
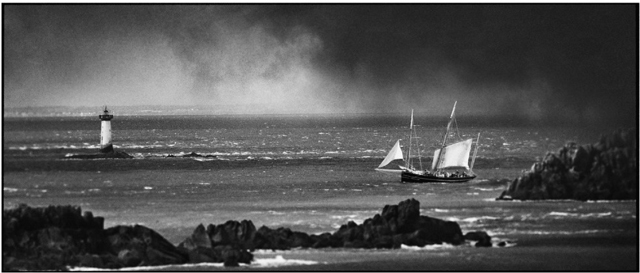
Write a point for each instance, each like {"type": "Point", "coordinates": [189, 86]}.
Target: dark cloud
{"type": "Point", "coordinates": [537, 61]}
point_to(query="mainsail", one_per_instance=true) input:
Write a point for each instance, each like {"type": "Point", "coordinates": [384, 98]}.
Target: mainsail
{"type": "Point", "coordinates": [454, 155]}
{"type": "Point", "coordinates": [394, 153]}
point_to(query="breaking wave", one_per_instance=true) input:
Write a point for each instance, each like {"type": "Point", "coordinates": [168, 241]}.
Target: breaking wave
{"type": "Point", "coordinates": [277, 261]}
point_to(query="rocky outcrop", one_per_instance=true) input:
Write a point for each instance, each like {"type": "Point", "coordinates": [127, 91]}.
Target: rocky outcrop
{"type": "Point", "coordinates": [107, 149]}
{"type": "Point", "coordinates": [58, 237]}
{"type": "Point", "coordinates": [50, 238]}
{"type": "Point", "coordinates": [397, 225]}
{"type": "Point", "coordinates": [110, 154]}
{"type": "Point", "coordinates": [605, 170]}
{"type": "Point", "coordinates": [55, 237]}
{"type": "Point", "coordinates": [138, 245]}
{"type": "Point", "coordinates": [227, 243]}
{"type": "Point", "coordinates": [191, 154]}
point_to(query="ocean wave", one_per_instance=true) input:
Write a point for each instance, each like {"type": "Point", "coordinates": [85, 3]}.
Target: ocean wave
{"type": "Point", "coordinates": [273, 212]}
{"type": "Point", "coordinates": [551, 232]}
{"type": "Point", "coordinates": [471, 219]}
{"type": "Point", "coordinates": [277, 261]}
{"type": "Point", "coordinates": [427, 247]}
{"type": "Point", "coordinates": [488, 189]}
{"type": "Point", "coordinates": [581, 215]}
{"type": "Point", "coordinates": [612, 201]}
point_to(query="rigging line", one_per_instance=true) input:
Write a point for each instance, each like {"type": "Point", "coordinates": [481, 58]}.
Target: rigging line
{"type": "Point", "coordinates": [457, 130]}
{"type": "Point", "coordinates": [418, 145]}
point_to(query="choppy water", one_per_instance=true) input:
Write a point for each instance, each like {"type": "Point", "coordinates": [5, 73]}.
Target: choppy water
{"type": "Point", "coordinates": [308, 173]}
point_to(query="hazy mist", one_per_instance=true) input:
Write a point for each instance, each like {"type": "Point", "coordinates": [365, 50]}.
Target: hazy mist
{"type": "Point", "coordinates": [575, 62]}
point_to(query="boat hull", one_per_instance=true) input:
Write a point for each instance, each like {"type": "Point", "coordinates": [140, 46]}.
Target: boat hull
{"type": "Point", "coordinates": [409, 177]}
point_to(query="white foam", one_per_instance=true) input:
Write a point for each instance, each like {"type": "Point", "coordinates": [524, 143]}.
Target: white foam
{"type": "Point", "coordinates": [487, 189]}
{"type": "Point", "coordinates": [277, 261]}
{"type": "Point", "coordinates": [273, 212]}
{"type": "Point", "coordinates": [7, 189]}
{"type": "Point", "coordinates": [427, 247]}
{"type": "Point", "coordinates": [476, 219]}
{"type": "Point", "coordinates": [555, 213]}
{"type": "Point", "coordinates": [612, 201]}
{"type": "Point", "coordinates": [581, 215]}
{"type": "Point", "coordinates": [551, 232]}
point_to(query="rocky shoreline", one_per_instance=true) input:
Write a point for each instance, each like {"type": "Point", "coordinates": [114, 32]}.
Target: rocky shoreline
{"type": "Point", "coordinates": [106, 152]}
{"type": "Point", "coordinates": [60, 237]}
{"type": "Point", "coordinates": [605, 170]}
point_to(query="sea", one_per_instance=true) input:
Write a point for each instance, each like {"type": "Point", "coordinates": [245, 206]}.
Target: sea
{"type": "Point", "coordinates": [314, 173]}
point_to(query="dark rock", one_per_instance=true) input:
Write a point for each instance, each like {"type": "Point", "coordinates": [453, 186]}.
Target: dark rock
{"type": "Point", "coordinates": [55, 237]}
{"type": "Point", "coordinates": [382, 242]}
{"type": "Point", "coordinates": [200, 238]}
{"type": "Point", "coordinates": [107, 149]}
{"type": "Point", "coordinates": [482, 238]}
{"type": "Point", "coordinates": [233, 255]}
{"type": "Point", "coordinates": [155, 249]}
{"type": "Point", "coordinates": [222, 243]}
{"type": "Point", "coordinates": [203, 255]}
{"type": "Point", "coordinates": [441, 231]}
{"type": "Point", "coordinates": [321, 241]}
{"type": "Point", "coordinates": [300, 239]}
{"type": "Point", "coordinates": [483, 244]}
{"type": "Point", "coordinates": [231, 262]}
{"type": "Point", "coordinates": [107, 154]}
{"type": "Point", "coordinates": [604, 170]}
{"type": "Point", "coordinates": [191, 154]}
{"type": "Point", "coordinates": [408, 215]}
{"type": "Point", "coordinates": [130, 258]}
{"type": "Point", "coordinates": [397, 225]}
{"type": "Point", "coordinates": [51, 238]}
{"type": "Point", "coordinates": [233, 232]}
{"type": "Point", "coordinates": [272, 239]}
{"type": "Point", "coordinates": [418, 238]}
{"type": "Point", "coordinates": [398, 240]}
{"type": "Point", "coordinates": [356, 244]}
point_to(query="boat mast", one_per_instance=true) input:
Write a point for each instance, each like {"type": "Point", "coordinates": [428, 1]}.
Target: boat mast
{"type": "Point", "coordinates": [474, 153]}
{"type": "Point", "coordinates": [444, 141]}
{"type": "Point", "coordinates": [410, 137]}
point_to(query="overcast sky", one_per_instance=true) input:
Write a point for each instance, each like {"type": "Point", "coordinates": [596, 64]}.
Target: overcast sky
{"type": "Point", "coordinates": [536, 61]}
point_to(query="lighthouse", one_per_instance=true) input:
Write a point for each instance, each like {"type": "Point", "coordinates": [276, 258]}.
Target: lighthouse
{"type": "Point", "coordinates": [105, 132]}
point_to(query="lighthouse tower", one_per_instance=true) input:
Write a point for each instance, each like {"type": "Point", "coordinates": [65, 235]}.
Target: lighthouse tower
{"type": "Point", "coordinates": [105, 132]}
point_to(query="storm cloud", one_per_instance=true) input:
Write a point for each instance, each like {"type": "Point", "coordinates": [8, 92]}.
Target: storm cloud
{"type": "Point", "coordinates": [576, 62]}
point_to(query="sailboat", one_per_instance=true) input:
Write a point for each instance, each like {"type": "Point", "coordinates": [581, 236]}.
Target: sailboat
{"type": "Point", "coordinates": [450, 162]}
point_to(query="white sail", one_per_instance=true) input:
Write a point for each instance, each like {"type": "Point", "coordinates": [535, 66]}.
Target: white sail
{"type": "Point", "coordinates": [454, 155]}
{"type": "Point", "coordinates": [394, 153]}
